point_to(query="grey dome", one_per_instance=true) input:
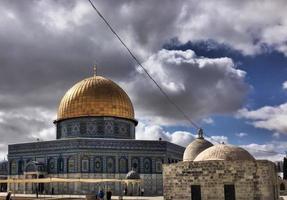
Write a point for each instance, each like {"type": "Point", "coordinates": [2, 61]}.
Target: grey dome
{"type": "Point", "coordinates": [132, 175]}
{"type": "Point", "coordinates": [195, 147]}
{"type": "Point", "coordinates": [224, 152]}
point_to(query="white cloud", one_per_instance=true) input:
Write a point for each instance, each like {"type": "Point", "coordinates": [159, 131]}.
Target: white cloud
{"type": "Point", "coordinates": [241, 134]}
{"type": "Point", "coordinates": [276, 135]}
{"type": "Point", "coordinates": [238, 24]}
{"type": "Point", "coordinates": [268, 117]}
{"type": "Point", "coordinates": [218, 139]}
{"type": "Point", "coordinates": [200, 86]}
{"type": "Point", "coordinates": [271, 151]}
{"type": "Point", "coordinates": [154, 132]}
{"type": "Point", "coordinates": [208, 120]}
{"type": "Point", "coordinates": [284, 85]}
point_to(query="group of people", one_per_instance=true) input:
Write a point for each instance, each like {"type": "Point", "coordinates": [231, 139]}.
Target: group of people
{"type": "Point", "coordinates": [100, 195]}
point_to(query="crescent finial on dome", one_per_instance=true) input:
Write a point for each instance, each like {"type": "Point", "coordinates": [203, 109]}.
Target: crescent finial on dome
{"type": "Point", "coordinates": [95, 70]}
{"type": "Point", "coordinates": [200, 134]}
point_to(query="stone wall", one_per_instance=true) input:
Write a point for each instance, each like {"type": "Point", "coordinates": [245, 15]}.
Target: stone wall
{"type": "Point", "coordinates": [253, 180]}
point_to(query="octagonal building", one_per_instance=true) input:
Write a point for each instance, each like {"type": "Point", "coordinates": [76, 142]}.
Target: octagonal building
{"type": "Point", "coordinates": [95, 138]}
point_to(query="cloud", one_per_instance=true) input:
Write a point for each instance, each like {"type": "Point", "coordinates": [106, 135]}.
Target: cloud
{"type": "Point", "coordinates": [273, 150]}
{"type": "Point", "coordinates": [201, 86]}
{"type": "Point", "coordinates": [276, 135]}
{"type": "Point", "coordinates": [25, 125]}
{"type": "Point", "coordinates": [154, 132]}
{"type": "Point", "coordinates": [241, 134]}
{"type": "Point", "coordinates": [146, 131]}
{"type": "Point", "coordinates": [272, 118]}
{"type": "Point", "coordinates": [218, 139]}
{"type": "Point", "coordinates": [53, 43]}
{"type": "Point", "coordinates": [284, 85]}
{"type": "Point", "coordinates": [208, 120]}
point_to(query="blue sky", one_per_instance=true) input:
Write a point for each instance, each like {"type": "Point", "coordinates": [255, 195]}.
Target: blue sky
{"type": "Point", "coordinates": [266, 73]}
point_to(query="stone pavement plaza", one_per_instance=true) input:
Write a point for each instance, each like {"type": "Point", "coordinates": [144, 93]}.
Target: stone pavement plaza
{"type": "Point", "coordinates": [74, 197]}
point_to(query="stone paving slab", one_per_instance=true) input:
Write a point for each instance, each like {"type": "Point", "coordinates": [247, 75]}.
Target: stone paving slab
{"type": "Point", "coordinates": [72, 197]}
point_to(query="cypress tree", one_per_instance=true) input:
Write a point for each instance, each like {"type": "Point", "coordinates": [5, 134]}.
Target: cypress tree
{"type": "Point", "coordinates": [285, 168]}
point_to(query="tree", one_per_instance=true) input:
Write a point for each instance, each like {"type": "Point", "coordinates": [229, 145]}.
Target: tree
{"type": "Point", "coordinates": [285, 168]}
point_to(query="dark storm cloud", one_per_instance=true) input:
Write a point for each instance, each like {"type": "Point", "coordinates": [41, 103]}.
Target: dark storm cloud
{"type": "Point", "coordinates": [46, 46]}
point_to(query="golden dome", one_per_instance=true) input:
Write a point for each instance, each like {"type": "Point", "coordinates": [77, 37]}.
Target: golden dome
{"type": "Point", "coordinates": [95, 96]}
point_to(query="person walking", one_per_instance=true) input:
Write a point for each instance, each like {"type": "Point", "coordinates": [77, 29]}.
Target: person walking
{"type": "Point", "coordinates": [8, 197]}
{"type": "Point", "coordinates": [109, 195]}
{"type": "Point", "coordinates": [101, 194]}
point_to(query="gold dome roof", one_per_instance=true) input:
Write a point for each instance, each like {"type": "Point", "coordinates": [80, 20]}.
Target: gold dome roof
{"type": "Point", "coordinates": [95, 96]}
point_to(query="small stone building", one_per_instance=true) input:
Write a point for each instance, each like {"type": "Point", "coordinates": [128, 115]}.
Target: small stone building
{"type": "Point", "coordinates": [220, 172]}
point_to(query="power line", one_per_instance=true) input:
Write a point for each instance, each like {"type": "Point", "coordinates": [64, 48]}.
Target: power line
{"type": "Point", "coordinates": [144, 69]}
{"type": "Point", "coordinates": [154, 81]}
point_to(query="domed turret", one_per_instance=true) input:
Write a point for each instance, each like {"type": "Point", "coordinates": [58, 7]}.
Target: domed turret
{"type": "Point", "coordinates": [224, 152]}
{"type": "Point", "coordinates": [132, 175]}
{"type": "Point", "coordinates": [196, 147]}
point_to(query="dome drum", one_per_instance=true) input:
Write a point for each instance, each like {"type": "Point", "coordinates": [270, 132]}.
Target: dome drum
{"type": "Point", "coordinates": [96, 127]}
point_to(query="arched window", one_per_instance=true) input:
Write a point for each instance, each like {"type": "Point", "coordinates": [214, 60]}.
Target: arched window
{"type": "Point", "coordinates": [71, 165]}
{"type": "Point", "coordinates": [85, 164]}
{"type": "Point", "coordinates": [158, 165]}
{"type": "Point", "coordinates": [60, 165]}
{"type": "Point", "coordinates": [13, 167]}
{"type": "Point", "coordinates": [147, 165]}
{"type": "Point", "coordinates": [135, 163]}
{"type": "Point", "coordinates": [51, 165]}
{"type": "Point", "coordinates": [110, 165]}
{"type": "Point", "coordinates": [282, 186]}
{"type": "Point", "coordinates": [123, 165]}
{"type": "Point", "coordinates": [20, 167]}
{"type": "Point", "coordinates": [31, 167]}
{"type": "Point", "coordinates": [98, 165]}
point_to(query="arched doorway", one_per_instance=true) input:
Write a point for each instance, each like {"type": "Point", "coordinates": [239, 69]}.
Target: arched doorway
{"type": "Point", "coordinates": [34, 170]}
{"type": "Point", "coordinates": [282, 186]}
